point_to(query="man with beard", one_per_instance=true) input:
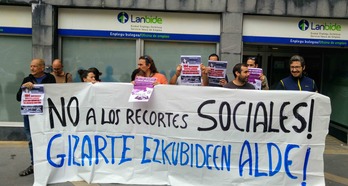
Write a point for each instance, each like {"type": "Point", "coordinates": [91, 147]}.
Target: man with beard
{"type": "Point", "coordinates": [147, 65]}
{"type": "Point", "coordinates": [297, 80]}
{"type": "Point", "coordinates": [241, 74]}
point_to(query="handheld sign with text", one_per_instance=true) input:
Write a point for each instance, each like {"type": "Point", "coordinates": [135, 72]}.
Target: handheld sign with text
{"type": "Point", "coordinates": [142, 91]}
{"type": "Point", "coordinates": [217, 71]}
{"type": "Point", "coordinates": [32, 100]}
{"type": "Point", "coordinates": [191, 71]}
{"type": "Point", "coordinates": [254, 77]}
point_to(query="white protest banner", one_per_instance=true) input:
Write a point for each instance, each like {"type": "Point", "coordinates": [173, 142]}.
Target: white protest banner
{"type": "Point", "coordinates": [184, 135]}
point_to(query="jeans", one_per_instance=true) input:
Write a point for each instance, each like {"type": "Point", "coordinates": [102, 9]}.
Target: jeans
{"type": "Point", "coordinates": [28, 135]}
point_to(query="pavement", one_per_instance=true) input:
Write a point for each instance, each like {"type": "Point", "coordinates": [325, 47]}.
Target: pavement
{"type": "Point", "coordinates": [14, 157]}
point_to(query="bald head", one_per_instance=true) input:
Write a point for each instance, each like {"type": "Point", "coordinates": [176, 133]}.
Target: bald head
{"type": "Point", "coordinates": [57, 67]}
{"type": "Point", "coordinates": [57, 62]}
{"type": "Point", "coordinates": [39, 61]}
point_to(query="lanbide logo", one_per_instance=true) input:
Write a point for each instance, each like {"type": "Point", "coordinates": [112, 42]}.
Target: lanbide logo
{"type": "Point", "coordinates": [326, 26]}
{"type": "Point", "coordinates": [303, 25]}
{"type": "Point", "coordinates": [122, 17]}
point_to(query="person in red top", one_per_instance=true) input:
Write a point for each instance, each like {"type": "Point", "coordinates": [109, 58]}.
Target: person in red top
{"type": "Point", "coordinates": [147, 65]}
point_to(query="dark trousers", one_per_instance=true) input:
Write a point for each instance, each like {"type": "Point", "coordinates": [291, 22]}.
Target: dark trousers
{"type": "Point", "coordinates": [28, 135]}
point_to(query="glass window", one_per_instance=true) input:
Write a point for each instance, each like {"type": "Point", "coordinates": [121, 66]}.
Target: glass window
{"type": "Point", "coordinates": [15, 58]}
{"type": "Point", "coordinates": [166, 55]}
{"type": "Point", "coordinates": [335, 84]}
{"type": "Point", "coordinates": [116, 59]}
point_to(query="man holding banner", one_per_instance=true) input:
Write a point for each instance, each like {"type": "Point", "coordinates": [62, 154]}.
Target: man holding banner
{"type": "Point", "coordinates": [241, 74]}
{"type": "Point", "coordinates": [37, 76]}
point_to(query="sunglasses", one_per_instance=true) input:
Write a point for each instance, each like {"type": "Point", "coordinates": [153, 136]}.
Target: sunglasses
{"type": "Point", "coordinates": [252, 58]}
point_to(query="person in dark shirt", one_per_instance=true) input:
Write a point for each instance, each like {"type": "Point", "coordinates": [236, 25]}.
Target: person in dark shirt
{"type": "Point", "coordinates": [297, 80]}
{"type": "Point", "coordinates": [37, 76]}
{"type": "Point", "coordinates": [241, 74]}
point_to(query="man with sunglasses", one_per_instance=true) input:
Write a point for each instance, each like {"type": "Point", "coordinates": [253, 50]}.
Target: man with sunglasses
{"type": "Point", "coordinates": [297, 80]}
{"type": "Point", "coordinates": [147, 65]}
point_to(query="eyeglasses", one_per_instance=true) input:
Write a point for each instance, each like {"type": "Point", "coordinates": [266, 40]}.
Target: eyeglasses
{"type": "Point", "coordinates": [57, 69]}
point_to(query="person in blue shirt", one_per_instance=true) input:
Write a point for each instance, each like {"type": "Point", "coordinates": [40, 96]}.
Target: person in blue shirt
{"type": "Point", "coordinates": [297, 80]}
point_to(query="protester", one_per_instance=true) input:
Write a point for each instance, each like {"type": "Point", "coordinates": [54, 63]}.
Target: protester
{"type": "Point", "coordinates": [215, 57]}
{"type": "Point", "coordinates": [241, 74]}
{"type": "Point", "coordinates": [176, 78]}
{"type": "Point", "coordinates": [147, 65]}
{"type": "Point", "coordinates": [96, 72]}
{"type": "Point", "coordinates": [137, 72]}
{"type": "Point", "coordinates": [37, 76]}
{"type": "Point", "coordinates": [252, 63]}
{"type": "Point", "coordinates": [297, 80]}
{"type": "Point", "coordinates": [58, 72]}
{"type": "Point", "coordinates": [87, 76]}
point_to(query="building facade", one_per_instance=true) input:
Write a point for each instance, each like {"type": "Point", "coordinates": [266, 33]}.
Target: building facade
{"type": "Point", "coordinates": [112, 34]}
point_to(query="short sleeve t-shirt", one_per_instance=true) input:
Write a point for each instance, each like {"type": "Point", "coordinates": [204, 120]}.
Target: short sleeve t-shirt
{"type": "Point", "coordinates": [160, 78]}
{"type": "Point", "coordinates": [231, 85]}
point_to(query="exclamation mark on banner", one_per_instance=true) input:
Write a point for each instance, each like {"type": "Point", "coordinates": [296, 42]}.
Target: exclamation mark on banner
{"type": "Point", "coordinates": [309, 135]}
{"type": "Point", "coordinates": [305, 165]}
